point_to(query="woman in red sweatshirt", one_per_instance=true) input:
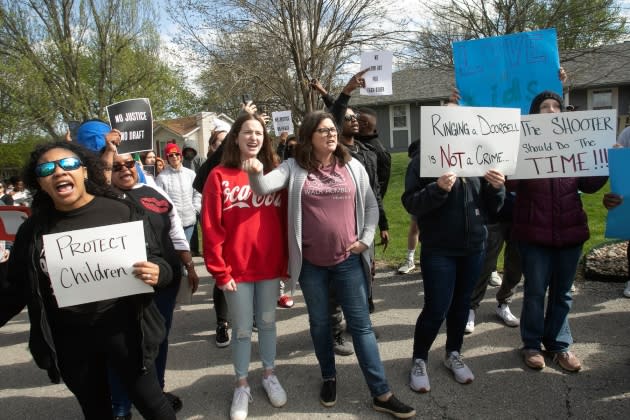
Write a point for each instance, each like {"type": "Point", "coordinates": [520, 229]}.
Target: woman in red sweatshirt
{"type": "Point", "coordinates": [245, 249]}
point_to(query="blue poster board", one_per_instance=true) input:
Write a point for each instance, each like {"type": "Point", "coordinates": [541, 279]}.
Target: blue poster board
{"type": "Point", "coordinates": [618, 220]}
{"type": "Point", "coordinates": [507, 71]}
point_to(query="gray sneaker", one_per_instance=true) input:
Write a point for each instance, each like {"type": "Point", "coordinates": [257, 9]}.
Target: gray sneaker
{"type": "Point", "coordinates": [341, 346]}
{"type": "Point", "coordinates": [419, 379]}
{"type": "Point", "coordinates": [406, 268]}
{"type": "Point", "coordinates": [455, 364]}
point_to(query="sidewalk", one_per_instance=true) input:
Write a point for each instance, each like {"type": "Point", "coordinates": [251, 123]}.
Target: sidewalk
{"type": "Point", "coordinates": [202, 374]}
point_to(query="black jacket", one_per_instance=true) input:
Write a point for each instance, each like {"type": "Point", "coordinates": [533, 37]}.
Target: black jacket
{"type": "Point", "coordinates": [451, 223]}
{"type": "Point", "coordinates": [24, 290]}
{"type": "Point", "coordinates": [383, 161]}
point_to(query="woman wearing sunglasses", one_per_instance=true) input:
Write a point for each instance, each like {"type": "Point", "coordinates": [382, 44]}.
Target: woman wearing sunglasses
{"type": "Point", "coordinates": [78, 343]}
{"type": "Point", "coordinates": [167, 226]}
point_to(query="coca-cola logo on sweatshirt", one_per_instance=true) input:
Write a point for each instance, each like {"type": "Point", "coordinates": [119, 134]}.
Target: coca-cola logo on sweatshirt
{"type": "Point", "coordinates": [242, 196]}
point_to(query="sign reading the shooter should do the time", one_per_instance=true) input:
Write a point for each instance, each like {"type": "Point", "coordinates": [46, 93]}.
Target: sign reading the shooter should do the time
{"type": "Point", "coordinates": [94, 264]}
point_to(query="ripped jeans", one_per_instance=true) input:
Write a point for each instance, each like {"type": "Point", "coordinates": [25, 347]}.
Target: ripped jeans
{"type": "Point", "coordinates": [260, 296]}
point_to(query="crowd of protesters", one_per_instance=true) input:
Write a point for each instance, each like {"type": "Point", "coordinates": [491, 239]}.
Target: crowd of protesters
{"type": "Point", "coordinates": [303, 211]}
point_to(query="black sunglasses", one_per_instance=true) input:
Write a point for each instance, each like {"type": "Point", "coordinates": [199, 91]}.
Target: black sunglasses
{"type": "Point", "coordinates": [67, 164]}
{"type": "Point", "coordinates": [117, 167]}
{"type": "Point", "coordinates": [350, 117]}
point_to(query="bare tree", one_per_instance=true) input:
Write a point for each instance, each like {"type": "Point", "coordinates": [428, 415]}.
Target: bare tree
{"type": "Point", "coordinates": [67, 60]}
{"type": "Point", "coordinates": [277, 45]}
{"type": "Point", "coordinates": [579, 24]}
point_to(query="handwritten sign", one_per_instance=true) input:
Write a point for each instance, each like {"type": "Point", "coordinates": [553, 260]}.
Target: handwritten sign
{"type": "Point", "coordinates": [134, 119]}
{"type": "Point", "coordinates": [507, 71]}
{"type": "Point", "coordinates": [378, 80]}
{"type": "Point", "coordinates": [11, 217]}
{"type": "Point", "coordinates": [468, 141]}
{"type": "Point", "coordinates": [617, 225]}
{"type": "Point", "coordinates": [569, 144]}
{"type": "Point", "coordinates": [90, 265]}
{"type": "Point", "coordinates": [282, 122]}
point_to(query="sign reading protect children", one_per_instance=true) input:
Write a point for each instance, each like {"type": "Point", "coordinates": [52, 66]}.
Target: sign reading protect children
{"type": "Point", "coordinates": [94, 264]}
{"type": "Point", "coordinates": [468, 141]}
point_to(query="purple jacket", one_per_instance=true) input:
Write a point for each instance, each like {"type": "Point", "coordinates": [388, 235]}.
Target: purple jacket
{"type": "Point", "coordinates": [549, 211]}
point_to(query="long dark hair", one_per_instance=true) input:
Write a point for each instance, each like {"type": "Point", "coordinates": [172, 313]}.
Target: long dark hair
{"type": "Point", "coordinates": [95, 184]}
{"type": "Point", "coordinates": [231, 157]}
{"type": "Point", "coordinates": [304, 149]}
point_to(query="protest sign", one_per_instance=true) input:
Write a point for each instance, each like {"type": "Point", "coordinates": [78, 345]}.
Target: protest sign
{"type": "Point", "coordinates": [378, 80]}
{"type": "Point", "coordinates": [618, 220]}
{"type": "Point", "coordinates": [507, 71]}
{"type": "Point", "coordinates": [568, 144]}
{"type": "Point", "coordinates": [89, 265]}
{"type": "Point", "coordinates": [468, 141]}
{"type": "Point", "coordinates": [282, 122]}
{"type": "Point", "coordinates": [11, 217]}
{"type": "Point", "coordinates": [134, 119]}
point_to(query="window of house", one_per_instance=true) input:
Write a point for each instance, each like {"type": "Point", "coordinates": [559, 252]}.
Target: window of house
{"type": "Point", "coordinates": [603, 99]}
{"type": "Point", "coordinates": [399, 116]}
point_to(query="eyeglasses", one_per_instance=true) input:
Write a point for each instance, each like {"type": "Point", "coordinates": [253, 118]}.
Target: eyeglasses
{"type": "Point", "coordinates": [117, 167]}
{"type": "Point", "coordinates": [170, 155]}
{"type": "Point", "coordinates": [349, 117]}
{"type": "Point", "coordinates": [67, 164]}
{"type": "Point", "coordinates": [330, 131]}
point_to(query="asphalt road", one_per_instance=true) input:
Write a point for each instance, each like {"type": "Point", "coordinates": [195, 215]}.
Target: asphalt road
{"type": "Point", "coordinates": [202, 374]}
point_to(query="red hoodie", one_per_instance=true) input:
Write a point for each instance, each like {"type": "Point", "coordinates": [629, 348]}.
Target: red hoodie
{"type": "Point", "coordinates": [244, 234]}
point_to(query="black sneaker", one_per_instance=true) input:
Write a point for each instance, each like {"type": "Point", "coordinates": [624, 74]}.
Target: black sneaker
{"type": "Point", "coordinates": [341, 346]}
{"type": "Point", "coordinates": [222, 337]}
{"type": "Point", "coordinates": [328, 393]}
{"type": "Point", "coordinates": [175, 401]}
{"type": "Point", "coordinates": [394, 407]}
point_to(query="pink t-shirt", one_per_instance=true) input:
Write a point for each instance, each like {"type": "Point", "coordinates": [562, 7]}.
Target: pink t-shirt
{"type": "Point", "coordinates": [328, 215]}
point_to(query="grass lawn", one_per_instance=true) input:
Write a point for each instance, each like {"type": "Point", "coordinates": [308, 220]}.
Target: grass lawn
{"type": "Point", "coordinates": [399, 219]}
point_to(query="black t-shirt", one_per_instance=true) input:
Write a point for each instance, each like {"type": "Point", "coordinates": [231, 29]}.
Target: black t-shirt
{"type": "Point", "coordinates": [100, 211]}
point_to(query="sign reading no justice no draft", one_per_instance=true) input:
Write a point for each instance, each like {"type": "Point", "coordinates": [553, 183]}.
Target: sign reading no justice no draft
{"type": "Point", "coordinates": [94, 264]}
{"type": "Point", "coordinates": [468, 141]}
{"type": "Point", "coordinates": [568, 144]}
{"type": "Point", "coordinates": [134, 119]}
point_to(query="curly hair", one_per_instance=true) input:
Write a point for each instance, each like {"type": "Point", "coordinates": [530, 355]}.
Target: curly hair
{"type": "Point", "coordinates": [304, 149]}
{"type": "Point", "coordinates": [231, 157]}
{"type": "Point", "coordinates": [96, 184]}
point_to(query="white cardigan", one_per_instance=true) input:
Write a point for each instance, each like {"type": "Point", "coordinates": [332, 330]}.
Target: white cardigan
{"type": "Point", "coordinates": [290, 174]}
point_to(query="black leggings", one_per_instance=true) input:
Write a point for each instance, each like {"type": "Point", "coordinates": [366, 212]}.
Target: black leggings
{"type": "Point", "coordinates": [84, 354]}
{"type": "Point", "coordinates": [220, 305]}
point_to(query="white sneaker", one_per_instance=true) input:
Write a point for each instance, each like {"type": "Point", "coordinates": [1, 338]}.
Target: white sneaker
{"type": "Point", "coordinates": [240, 403]}
{"type": "Point", "coordinates": [626, 291]}
{"type": "Point", "coordinates": [495, 279]}
{"type": "Point", "coordinates": [407, 267]}
{"type": "Point", "coordinates": [503, 312]}
{"type": "Point", "coordinates": [470, 325]}
{"type": "Point", "coordinates": [462, 373]}
{"type": "Point", "coordinates": [275, 392]}
{"type": "Point", "coordinates": [419, 379]}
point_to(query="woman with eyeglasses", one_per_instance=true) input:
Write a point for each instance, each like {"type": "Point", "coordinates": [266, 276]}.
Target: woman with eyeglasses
{"type": "Point", "coordinates": [332, 219]}
{"type": "Point", "coordinates": [78, 343]}
{"type": "Point", "coordinates": [175, 249]}
{"type": "Point", "coordinates": [245, 251]}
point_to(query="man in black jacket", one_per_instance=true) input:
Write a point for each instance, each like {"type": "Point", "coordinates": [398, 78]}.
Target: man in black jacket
{"type": "Point", "coordinates": [368, 135]}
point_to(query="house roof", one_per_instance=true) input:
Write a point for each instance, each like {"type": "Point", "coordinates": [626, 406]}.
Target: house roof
{"type": "Point", "coordinates": [415, 84]}
{"type": "Point", "coordinates": [598, 67]}
{"type": "Point", "coordinates": [180, 126]}
{"type": "Point", "coordinates": [590, 68]}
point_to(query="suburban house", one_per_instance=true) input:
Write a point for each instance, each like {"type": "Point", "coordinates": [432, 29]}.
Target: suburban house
{"type": "Point", "coordinates": [196, 127]}
{"type": "Point", "coordinates": [597, 79]}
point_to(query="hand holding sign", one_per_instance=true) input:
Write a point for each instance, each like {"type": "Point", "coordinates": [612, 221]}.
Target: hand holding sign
{"type": "Point", "coordinates": [147, 271]}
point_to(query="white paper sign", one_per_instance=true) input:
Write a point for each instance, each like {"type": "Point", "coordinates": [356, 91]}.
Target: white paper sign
{"type": "Point", "coordinates": [282, 122]}
{"type": "Point", "coordinates": [569, 144]}
{"type": "Point", "coordinates": [468, 140]}
{"type": "Point", "coordinates": [89, 265]}
{"type": "Point", "coordinates": [378, 80]}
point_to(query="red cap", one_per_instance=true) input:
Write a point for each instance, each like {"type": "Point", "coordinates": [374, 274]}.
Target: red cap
{"type": "Point", "coordinates": [171, 148]}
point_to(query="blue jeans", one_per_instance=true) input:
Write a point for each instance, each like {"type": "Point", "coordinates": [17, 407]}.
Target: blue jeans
{"type": "Point", "coordinates": [448, 284]}
{"type": "Point", "coordinates": [554, 269]}
{"type": "Point", "coordinates": [188, 232]}
{"type": "Point", "coordinates": [348, 279]}
{"type": "Point", "coordinates": [261, 296]}
{"type": "Point", "coordinates": [165, 301]}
